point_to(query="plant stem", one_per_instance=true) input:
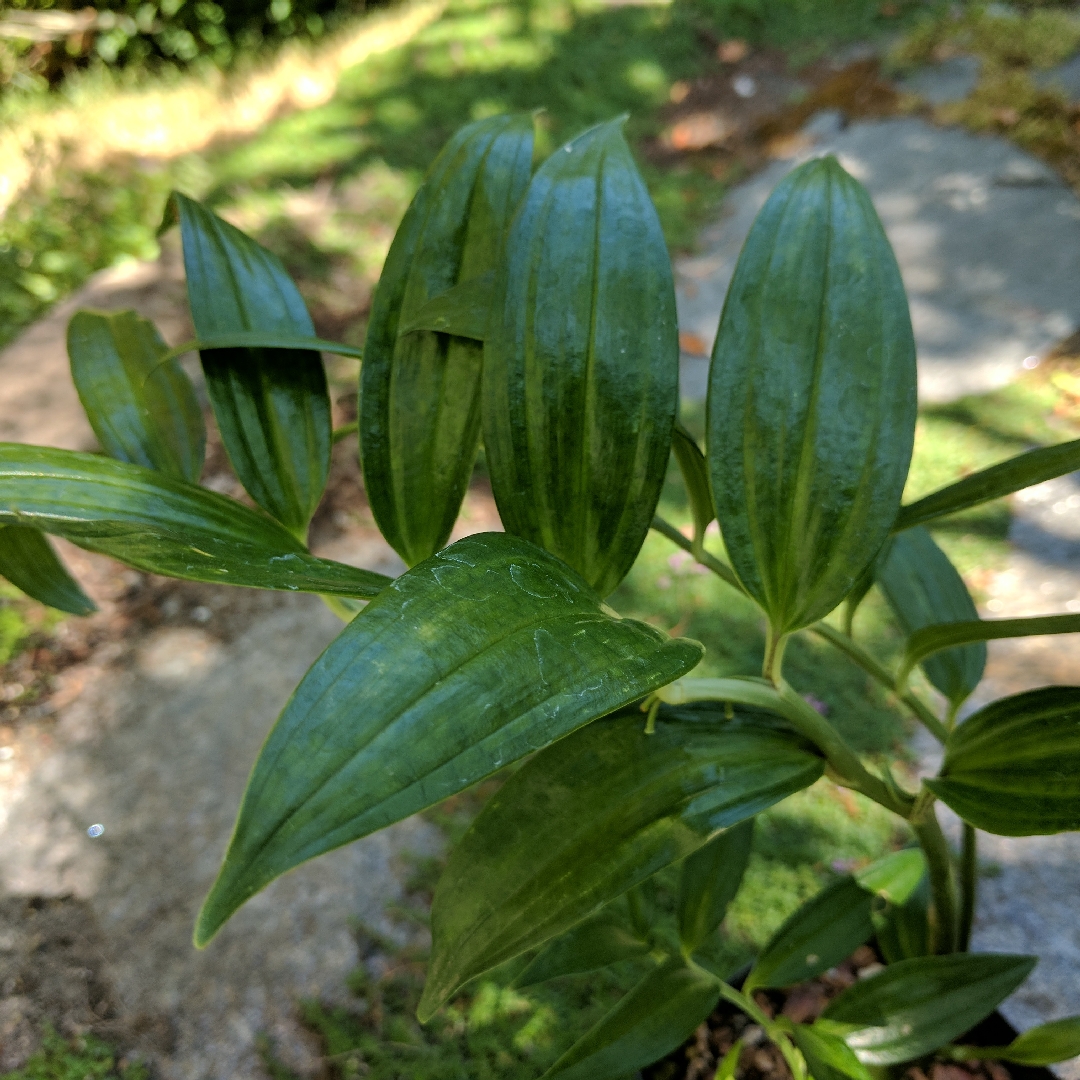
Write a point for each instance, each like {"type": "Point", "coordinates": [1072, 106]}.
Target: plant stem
{"type": "Point", "coordinates": [939, 862]}
{"type": "Point", "coordinates": [725, 573]}
{"type": "Point", "coordinates": [881, 674]}
{"type": "Point", "coordinates": [969, 876]}
{"type": "Point", "coordinates": [773, 664]}
{"type": "Point", "coordinates": [345, 429]}
{"type": "Point", "coordinates": [775, 1031]}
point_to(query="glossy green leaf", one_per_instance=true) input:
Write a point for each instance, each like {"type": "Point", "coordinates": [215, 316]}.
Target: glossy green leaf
{"type": "Point", "coordinates": [932, 639]}
{"type": "Point", "coordinates": [827, 1056]}
{"type": "Point", "coordinates": [924, 589]}
{"type": "Point", "coordinates": [695, 474]}
{"type": "Point", "coordinates": [142, 407]}
{"type": "Point", "coordinates": [902, 930]}
{"type": "Point", "coordinates": [1013, 768]}
{"type": "Point", "coordinates": [708, 882]}
{"type": "Point", "coordinates": [28, 561]}
{"type": "Point", "coordinates": [655, 1017]}
{"type": "Point", "coordinates": [811, 407]}
{"type": "Point", "coordinates": [821, 933]}
{"type": "Point", "coordinates": [895, 876]}
{"type": "Point", "coordinates": [1046, 1044]}
{"type": "Point", "coordinates": [1017, 473]}
{"type": "Point", "coordinates": [164, 526]}
{"type": "Point", "coordinates": [913, 1007]}
{"type": "Point", "coordinates": [272, 406]}
{"type": "Point", "coordinates": [606, 938]}
{"type": "Point", "coordinates": [581, 367]}
{"type": "Point", "coordinates": [462, 311]}
{"type": "Point", "coordinates": [482, 654]}
{"type": "Point", "coordinates": [420, 390]}
{"type": "Point", "coordinates": [590, 818]}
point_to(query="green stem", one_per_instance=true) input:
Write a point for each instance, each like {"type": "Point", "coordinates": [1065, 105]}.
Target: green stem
{"type": "Point", "coordinates": [345, 430]}
{"type": "Point", "coordinates": [344, 607]}
{"type": "Point", "coordinates": [939, 862]}
{"type": "Point", "coordinates": [773, 665]}
{"type": "Point", "coordinates": [881, 674]}
{"type": "Point", "coordinates": [969, 875]}
{"type": "Point", "coordinates": [725, 573]}
{"type": "Point", "coordinates": [776, 1033]}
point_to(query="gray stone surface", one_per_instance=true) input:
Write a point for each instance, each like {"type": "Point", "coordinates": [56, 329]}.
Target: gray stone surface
{"type": "Point", "coordinates": [945, 83]}
{"type": "Point", "coordinates": [987, 239]}
{"type": "Point", "coordinates": [1064, 78]}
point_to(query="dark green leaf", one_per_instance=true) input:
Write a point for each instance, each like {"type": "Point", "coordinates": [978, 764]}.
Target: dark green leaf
{"type": "Point", "coordinates": [590, 818]}
{"type": "Point", "coordinates": [462, 311]}
{"type": "Point", "coordinates": [164, 526]}
{"type": "Point", "coordinates": [654, 1018]}
{"type": "Point", "coordinates": [271, 405]}
{"type": "Point", "coordinates": [482, 654]}
{"type": "Point", "coordinates": [267, 339]}
{"type": "Point", "coordinates": [863, 586]}
{"type": "Point", "coordinates": [827, 1056]}
{"type": "Point", "coordinates": [606, 938]}
{"type": "Point", "coordinates": [932, 639]}
{"type": "Point", "coordinates": [28, 561]}
{"type": "Point", "coordinates": [142, 409]}
{"type": "Point", "coordinates": [821, 933]}
{"type": "Point", "coordinates": [1013, 475]}
{"type": "Point", "coordinates": [708, 882]}
{"type": "Point", "coordinates": [894, 877]}
{"type": "Point", "coordinates": [581, 366]}
{"type": "Point", "coordinates": [420, 390]}
{"type": "Point", "coordinates": [811, 408]}
{"type": "Point", "coordinates": [1046, 1044]}
{"type": "Point", "coordinates": [1014, 767]}
{"type": "Point", "coordinates": [695, 474]}
{"type": "Point", "coordinates": [902, 929]}
{"type": "Point", "coordinates": [913, 1007]}
{"type": "Point", "coordinates": [924, 589]}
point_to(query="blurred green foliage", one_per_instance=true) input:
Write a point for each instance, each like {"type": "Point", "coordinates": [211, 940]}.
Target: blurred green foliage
{"type": "Point", "coordinates": [82, 1058]}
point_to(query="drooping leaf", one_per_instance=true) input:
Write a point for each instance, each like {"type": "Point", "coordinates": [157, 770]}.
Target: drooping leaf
{"type": "Point", "coordinates": [581, 365]}
{"type": "Point", "coordinates": [142, 408]}
{"type": "Point", "coordinates": [654, 1018]}
{"type": "Point", "coordinates": [420, 389]}
{"type": "Point", "coordinates": [895, 876]}
{"type": "Point", "coordinates": [480, 655]}
{"type": "Point", "coordinates": [827, 1056]}
{"type": "Point", "coordinates": [266, 339]}
{"type": "Point", "coordinates": [461, 311]}
{"type": "Point", "coordinates": [1046, 1044]}
{"type": "Point", "coordinates": [28, 561]}
{"type": "Point", "coordinates": [821, 933]}
{"type": "Point", "coordinates": [1013, 768]}
{"type": "Point", "coordinates": [605, 938]}
{"type": "Point", "coordinates": [932, 639]}
{"type": "Point", "coordinates": [272, 405]}
{"type": "Point", "coordinates": [902, 930]}
{"type": "Point", "coordinates": [924, 589]}
{"type": "Point", "coordinates": [811, 407]}
{"type": "Point", "coordinates": [164, 526]}
{"type": "Point", "coordinates": [1017, 473]}
{"type": "Point", "coordinates": [591, 817]}
{"type": "Point", "coordinates": [914, 1006]}
{"type": "Point", "coordinates": [708, 882]}
{"type": "Point", "coordinates": [695, 474]}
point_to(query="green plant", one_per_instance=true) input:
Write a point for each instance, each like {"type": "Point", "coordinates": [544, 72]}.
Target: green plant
{"type": "Point", "coordinates": [533, 308]}
{"type": "Point", "coordinates": [81, 1058]}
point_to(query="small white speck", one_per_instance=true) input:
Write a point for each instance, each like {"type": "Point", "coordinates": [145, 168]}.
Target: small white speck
{"type": "Point", "coordinates": [6, 753]}
{"type": "Point", "coordinates": [1031, 362]}
{"type": "Point", "coordinates": [95, 831]}
{"type": "Point", "coordinates": [811, 959]}
{"type": "Point", "coordinates": [744, 85]}
{"type": "Point", "coordinates": [202, 613]}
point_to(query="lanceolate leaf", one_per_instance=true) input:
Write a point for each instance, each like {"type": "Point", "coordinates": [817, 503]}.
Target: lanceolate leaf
{"type": "Point", "coordinates": [1013, 475]}
{"type": "Point", "coordinates": [164, 526]}
{"type": "Point", "coordinates": [827, 928]}
{"type": "Point", "coordinates": [894, 877]}
{"type": "Point", "coordinates": [420, 390]}
{"type": "Point", "coordinates": [913, 1007]}
{"type": "Point", "coordinates": [924, 589]}
{"type": "Point", "coordinates": [590, 818]}
{"type": "Point", "coordinates": [1046, 1044]}
{"type": "Point", "coordinates": [654, 1018]}
{"type": "Point", "coordinates": [606, 938]}
{"type": "Point", "coordinates": [827, 1056]}
{"type": "Point", "coordinates": [932, 639]}
{"type": "Point", "coordinates": [28, 561]}
{"type": "Point", "coordinates": [142, 407]}
{"type": "Point", "coordinates": [902, 929]}
{"type": "Point", "coordinates": [482, 654]}
{"type": "Point", "coordinates": [266, 339]}
{"type": "Point", "coordinates": [708, 882]}
{"type": "Point", "coordinates": [695, 473]}
{"type": "Point", "coordinates": [581, 364]}
{"type": "Point", "coordinates": [271, 405]}
{"type": "Point", "coordinates": [811, 408]}
{"type": "Point", "coordinates": [1014, 767]}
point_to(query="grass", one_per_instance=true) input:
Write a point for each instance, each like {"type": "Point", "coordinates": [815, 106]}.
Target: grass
{"type": "Point", "coordinates": [80, 1058]}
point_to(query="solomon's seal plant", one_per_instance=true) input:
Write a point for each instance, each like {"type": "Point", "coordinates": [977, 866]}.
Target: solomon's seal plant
{"type": "Point", "coordinates": [533, 309]}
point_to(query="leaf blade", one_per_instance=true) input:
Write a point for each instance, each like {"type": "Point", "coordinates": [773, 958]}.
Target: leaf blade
{"type": "Point", "coordinates": [827, 1056]}
{"type": "Point", "coordinates": [708, 882]}
{"type": "Point", "coordinates": [28, 561]}
{"type": "Point", "coordinates": [533, 656]}
{"type": "Point", "coordinates": [695, 474]}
